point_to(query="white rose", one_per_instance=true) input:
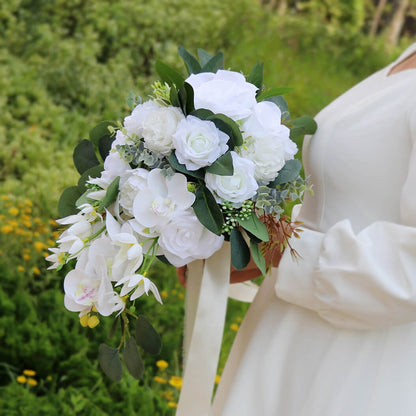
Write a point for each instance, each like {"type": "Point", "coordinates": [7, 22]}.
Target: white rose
{"type": "Point", "coordinates": [236, 188]}
{"type": "Point", "coordinates": [185, 239]}
{"type": "Point", "coordinates": [131, 182]}
{"type": "Point", "coordinates": [155, 205]}
{"type": "Point", "coordinates": [158, 128]}
{"type": "Point", "coordinates": [225, 92]}
{"type": "Point", "coordinates": [198, 143]}
{"type": "Point", "coordinates": [134, 122]}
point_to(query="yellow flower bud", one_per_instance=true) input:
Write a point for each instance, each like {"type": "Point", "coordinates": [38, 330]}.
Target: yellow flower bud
{"type": "Point", "coordinates": [84, 320]}
{"type": "Point", "coordinates": [29, 373]}
{"type": "Point", "coordinates": [32, 382]}
{"type": "Point", "coordinates": [93, 321]}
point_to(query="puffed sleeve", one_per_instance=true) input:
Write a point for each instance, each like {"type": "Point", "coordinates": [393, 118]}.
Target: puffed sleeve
{"type": "Point", "coordinates": [358, 280]}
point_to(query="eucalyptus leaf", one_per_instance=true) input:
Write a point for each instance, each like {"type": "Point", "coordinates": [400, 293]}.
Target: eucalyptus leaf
{"type": "Point", "coordinates": [240, 253]}
{"type": "Point", "coordinates": [104, 145]}
{"type": "Point", "coordinates": [202, 113]}
{"type": "Point", "coordinates": [256, 75]}
{"type": "Point", "coordinates": [186, 98]}
{"type": "Point", "coordinates": [110, 195]}
{"type": "Point", "coordinates": [288, 173]}
{"type": "Point", "coordinates": [255, 226]}
{"type": "Point", "coordinates": [83, 199]}
{"type": "Point", "coordinates": [174, 97]}
{"type": "Point", "coordinates": [84, 156]}
{"type": "Point", "coordinates": [191, 62]}
{"type": "Point", "coordinates": [146, 336]}
{"type": "Point", "coordinates": [169, 75]}
{"type": "Point", "coordinates": [67, 201]}
{"type": "Point", "coordinates": [204, 56]}
{"type": "Point", "coordinates": [101, 130]}
{"type": "Point", "coordinates": [302, 125]}
{"type": "Point", "coordinates": [274, 92]}
{"type": "Point", "coordinates": [132, 359]}
{"type": "Point", "coordinates": [110, 362]}
{"type": "Point", "coordinates": [258, 257]}
{"type": "Point", "coordinates": [93, 172]}
{"type": "Point", "coordinates": [131, 100]}
{"type": "Point", "coordinates": [223, 166]}
{"type": "Point", "coordinates": [232, 128]}
{"type": "Point", "coordinates": [207, 210]}
{"type": "Point", "coordinates": [173, 160]}
{"type": "Point", "coordinates": [214, 64]}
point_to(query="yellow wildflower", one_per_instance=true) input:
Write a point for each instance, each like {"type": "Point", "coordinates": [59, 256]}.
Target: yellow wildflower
{"type": "Point", "coordinates": [29, 373]}
{"type": "Point", "coordinates": [164, 294]}
{"type": "Point", "coordinates": [20, 269]}
{"type": "Point", "coordinates": [26, 256]}
{"type": "Point", "coordinates": [217, 379]}
{"type": "Point", "coordinates": [6, 229]}
{"type": "Point", "coordinates": [13, 211]}
{"type": "Point", "coordinates": [162, 365]}
{"type": "Point", "coordinates": [39, 246]}
{"type": "Point", "coordinates": [173, 404]}
{"type": "Point", "coordinates": [21, 379]}
{"type": "Point", "coordinates": [160, 380]}
{"type": "Point", "coordinates": [168, 395]}
{"type": "Point", "coordinates": [234, 327]}
{"type": "Point", "coordinates": [176, 381]}
{"type": "Point", "coordinates": [32, 382]}
{"type": "Point", "coordinates": [36, 270]}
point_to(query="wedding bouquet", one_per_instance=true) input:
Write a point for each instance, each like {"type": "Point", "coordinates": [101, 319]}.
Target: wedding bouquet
{"type": "Point", "coordinates": [206, 158]}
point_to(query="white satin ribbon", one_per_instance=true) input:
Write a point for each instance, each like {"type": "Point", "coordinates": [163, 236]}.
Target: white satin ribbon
{"type": "Point", "coordinates": [206, 304]}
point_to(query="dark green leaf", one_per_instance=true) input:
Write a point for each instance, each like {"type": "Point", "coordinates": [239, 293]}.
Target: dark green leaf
{"type": "Point", "coordinates": [104, 145]}
{"type": "Point", "coordinates": [302, 125]}
{"type": "Point", "coordinates": [258, 257]}
{"type": "Point", "coordinates": [229, 127]}
{"type": "Point", "coordinates": [191, 62]}
{"type": "Point", "coordinates": [101, 130]}
{"type": "Point", "coordinates": [173, 160]}
{"type": "Point", "coordinates": [174, 98]}
{"type": "Point", "coordinates": [110, 195]}
{"type": "Point", "coordinates": [164, 260]}
{"type": "Point", "coordinates": [84, 156]}
{"type": "Point", "coordinates": [67, 201]}
{"type": "Point", "coordinates": [240, 253]}
{"type": "Point", "coordinates": [214, 64]}
{"type": "Point", "coordinates": [186, 98]}
{"type": "Point", "coordinates": [110, 362]}
{"type": "Point", "coordinates": [132, 359]}
{"type": "Point", "coordinates": [202, 113]}
{"type": "Point", "coordinates": [93, 172]}
{"type": "Point", "coordinates": [256, 75]}
{"type": "Point", "coordinates": [255, 226]}
{"type": "Point", "coordinates": [207, 210]}
{"type": "Point", "coordinates": [222, 166]}
{"type": "Point", "coordinates": [146, 336]}
{"type": "Point", "coordinates": [169, 75]}
{"type": "Point", "coordinates": [274, 92]}
{"type": "Point", "coordinates": [288, 173]}
{"type": "Point", "coordinates": [282, 104]}
{"type": "Point", "coordinates": [203, 56]}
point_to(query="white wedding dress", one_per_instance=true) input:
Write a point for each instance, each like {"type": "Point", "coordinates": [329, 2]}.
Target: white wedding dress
{"type": "Point", "coordinates": [334, 333]}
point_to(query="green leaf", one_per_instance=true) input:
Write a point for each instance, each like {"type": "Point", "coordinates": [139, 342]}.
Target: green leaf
{"type": "Point", "coordinates": [173, 161]}
{"type": "Point", "coordinates": [223, 166]}
{"type": "Point", "coordinates": [228, 126]}
{"type": "Point", "coordinates": [202, 113]}
{"type": "Point", "coordinates": [288, 173]}
{"type": "Point", "coordinates": [83, 199]}
{"type": "Point", "coordinates": [101, 130]}
{"type": "Point", "coordinates": [258, 257]}
{"type": "Point", "coordinates": [240, 253]}
{"type": "Point", "coordinates": [67, 201]}
{"type": "Point", "coordinates": [110, 195]}
{"type": "Point", "coordinates": [274, 92]}
{"type": "Point", "coordinates": [104, 146]}
{"type": "Point", "coordinates": [93, 172]}
{"type": "Point", "coordinates": [84, 156]}
{"type": "Point", "coordinates": [191, 62]}
{"type": "Point", "coordinates": [214, 64]}
{"type": "Point", "coordinates": [174, 97]}
{"type": "Point", "coordinates": [207, 210]}
{"type": "Point", "coordinates": [131, 100]}
{"type": "Point", "coordinates": [204, 56]}
{"type": "Point", "coordinates": [302, 125]}
{"type": "Point", "coordinates": [282, 104]}
{"type": "Point", "coordinates": [186, 98]}
{"type": "Point", "coordinates": [146, 336]}
{"type": "Point", "coordinates": [169, 75]}
{"type": "Point", "coordinates": [132, 359]}
{"type": "Point", "coordinates": [110, 362]}
{"type": "Point", "coordinates": [255, 227]}
{"type": "Point", "coordinates": [256, 75]}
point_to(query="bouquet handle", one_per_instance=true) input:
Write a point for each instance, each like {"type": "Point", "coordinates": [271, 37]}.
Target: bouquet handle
{"type": "Point", "coordinates": [206, 304]}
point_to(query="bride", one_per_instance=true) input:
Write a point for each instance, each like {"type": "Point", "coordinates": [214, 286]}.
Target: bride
{"type": "Point", "coordinates": [334, 332]}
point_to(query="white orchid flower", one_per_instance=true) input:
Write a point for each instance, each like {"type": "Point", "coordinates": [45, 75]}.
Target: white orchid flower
{"type": "Point", "coordinates": [141, 284]}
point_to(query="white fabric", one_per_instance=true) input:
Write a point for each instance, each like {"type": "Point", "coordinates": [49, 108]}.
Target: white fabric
{"type": "Point", "coordinates": [334, 333]}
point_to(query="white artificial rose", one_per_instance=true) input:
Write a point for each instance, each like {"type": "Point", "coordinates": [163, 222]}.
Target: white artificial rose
{"type": "Point", "coordinates": [161, 199]}
{"type": "Point", "coordinates": [158, 128]}
{"type": "Point", "coordinates": [198, 143]}
{"type": "Point", "coordinates": [131, 182]}
{"type": "Point", "coordinates": [236, 188]}
{"type": "Point", "coordinates": [185, 239]}
{"type": "Point", "coordinates": [134, 122]}
{"type": "Point", "coordinates": [225, 92]}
